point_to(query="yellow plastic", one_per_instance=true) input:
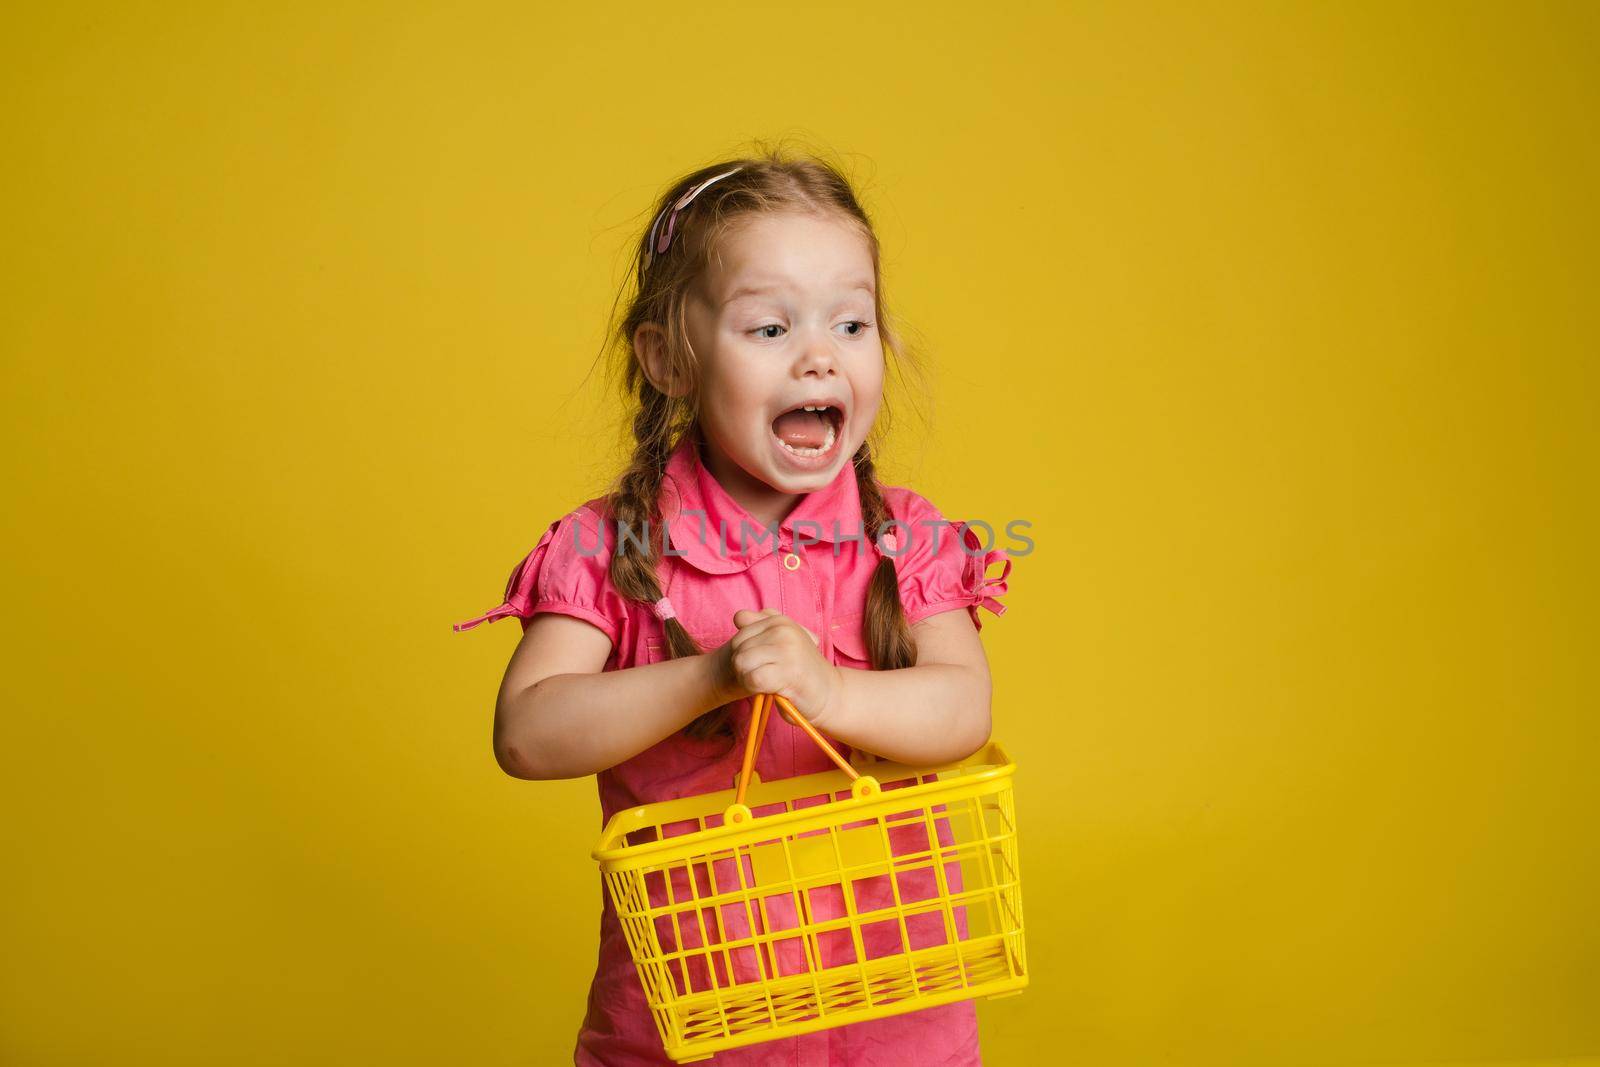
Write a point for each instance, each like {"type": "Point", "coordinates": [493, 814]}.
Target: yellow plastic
{"type": "Point", "coordinates": [771, 860]}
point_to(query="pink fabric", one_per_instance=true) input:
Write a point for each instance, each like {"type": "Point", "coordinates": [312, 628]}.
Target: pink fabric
{"type": "Point", "coordinates": [708, 579]}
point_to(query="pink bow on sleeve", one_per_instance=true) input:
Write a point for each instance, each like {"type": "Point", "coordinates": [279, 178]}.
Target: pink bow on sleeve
{"type": "Point", "coordinates": [979, 585]}
{"type": "Point", "coordinates": [520, 587]}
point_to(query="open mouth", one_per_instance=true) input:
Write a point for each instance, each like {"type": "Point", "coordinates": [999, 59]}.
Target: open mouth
{"type": "Point", "coordinates": [809, 431]}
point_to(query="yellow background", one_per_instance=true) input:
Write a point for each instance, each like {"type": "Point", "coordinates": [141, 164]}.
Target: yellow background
{"type": "Point", "coordinates": [1276, 321]}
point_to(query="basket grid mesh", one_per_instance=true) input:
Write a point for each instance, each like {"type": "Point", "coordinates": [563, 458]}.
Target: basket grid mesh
{"type": "Point", "coordinates": [913, 906]}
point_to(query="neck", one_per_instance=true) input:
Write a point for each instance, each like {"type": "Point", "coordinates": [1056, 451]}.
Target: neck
{"type": "Point", "coordinates": [766, 505]}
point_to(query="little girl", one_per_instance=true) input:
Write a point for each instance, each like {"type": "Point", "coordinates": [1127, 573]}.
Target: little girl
{"type": "Point", "coordinates": [749, 548]}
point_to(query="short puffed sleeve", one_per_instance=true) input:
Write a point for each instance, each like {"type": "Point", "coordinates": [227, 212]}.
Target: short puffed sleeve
{"type": "Point", "coordinates": [567, 572]}
{"type": "Point", "coordinates": [942, 563]}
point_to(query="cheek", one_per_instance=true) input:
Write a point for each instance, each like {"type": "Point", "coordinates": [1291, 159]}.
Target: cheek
{"type": "Point", "coordinates": [735, 397]}
{"type": "Point", "coordinates": [867, 387]}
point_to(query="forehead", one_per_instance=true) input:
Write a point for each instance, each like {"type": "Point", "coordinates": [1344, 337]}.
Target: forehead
{"type": "Point", "coordinates": [800, 253]}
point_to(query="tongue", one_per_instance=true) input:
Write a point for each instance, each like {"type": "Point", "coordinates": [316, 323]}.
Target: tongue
{"type": "Point", "coordinates": [802, 429]}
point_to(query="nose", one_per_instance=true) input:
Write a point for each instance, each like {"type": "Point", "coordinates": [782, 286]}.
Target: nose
{"type": "Point", "coordinates": [818, 359]}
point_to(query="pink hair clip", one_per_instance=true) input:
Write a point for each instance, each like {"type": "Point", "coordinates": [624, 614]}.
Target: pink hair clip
{"type": "Point", "coordinates": [658, 248]}
{"type": "Point", "coordinates": [888, 543]}
{"type": "Point", "coordinates": [663, 609]}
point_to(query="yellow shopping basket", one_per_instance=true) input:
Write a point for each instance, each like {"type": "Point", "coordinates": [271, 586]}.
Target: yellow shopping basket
{"type": "Point", "coordinates": [827, 899]}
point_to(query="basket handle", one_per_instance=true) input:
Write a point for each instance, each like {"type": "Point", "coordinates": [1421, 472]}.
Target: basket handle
{"type": "Point", "coordinates": [758, 729]}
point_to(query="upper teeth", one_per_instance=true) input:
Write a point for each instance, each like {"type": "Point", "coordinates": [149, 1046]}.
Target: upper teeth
{"type": "Point", "coordinates": [816, 407]}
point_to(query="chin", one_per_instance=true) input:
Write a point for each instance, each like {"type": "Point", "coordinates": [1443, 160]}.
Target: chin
{"type": "Point", "coordinates": [801, 483]}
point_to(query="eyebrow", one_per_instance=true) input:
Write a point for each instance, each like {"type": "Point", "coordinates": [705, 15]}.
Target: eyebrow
{"type": "Point", "coordinates": [759, 290]}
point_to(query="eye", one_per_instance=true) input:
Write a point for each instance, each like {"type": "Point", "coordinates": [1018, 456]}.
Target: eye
{"type": "Point", "coordinates": [861, 327]}
{"type": "Point", "coordinates": [759, 331]}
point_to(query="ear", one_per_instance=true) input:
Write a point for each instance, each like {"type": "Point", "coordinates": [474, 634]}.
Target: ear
{"type": "Point", "coordinates": [650, 346]}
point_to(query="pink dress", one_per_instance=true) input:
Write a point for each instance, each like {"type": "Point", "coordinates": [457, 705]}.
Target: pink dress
{"type": "Point", "coordinates": [815, 573]}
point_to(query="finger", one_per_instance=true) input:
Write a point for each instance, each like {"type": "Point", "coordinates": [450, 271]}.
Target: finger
{"type": "Point", "coordinates": [773, 624]}
{"type": "Point", "coordinates": [746, 616]}
{"type": "Point", "coordinates": [749, 658]}
{"type": "Point", "coordinates": [767, 678]}
{"type": "Point", "coordinates": [756, 627]}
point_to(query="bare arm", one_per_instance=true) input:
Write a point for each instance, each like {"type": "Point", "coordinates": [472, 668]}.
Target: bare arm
{"type": "Point", "coordinates": [559, 715]}
{"type": "Point", "coordinates": [934, 712]}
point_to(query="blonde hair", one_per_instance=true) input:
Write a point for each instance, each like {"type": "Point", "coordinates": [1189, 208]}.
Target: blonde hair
{"type": "Point", "coordinates": [657, 291]}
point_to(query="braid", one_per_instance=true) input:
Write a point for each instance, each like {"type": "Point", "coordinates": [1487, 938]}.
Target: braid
{"type": "Point", "coordinates": [635, 505]}
{"type": "Point", "coordinates": [888, 637]}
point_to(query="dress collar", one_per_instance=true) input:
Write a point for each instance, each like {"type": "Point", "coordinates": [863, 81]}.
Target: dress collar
{"type": "Point", "coordinates": [703, 521]}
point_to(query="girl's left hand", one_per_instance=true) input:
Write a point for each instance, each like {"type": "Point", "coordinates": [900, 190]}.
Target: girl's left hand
{"type": "Point", "coordinates": [772, 653]}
